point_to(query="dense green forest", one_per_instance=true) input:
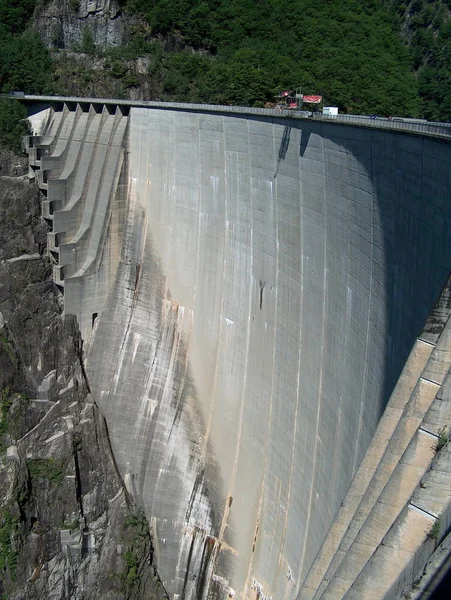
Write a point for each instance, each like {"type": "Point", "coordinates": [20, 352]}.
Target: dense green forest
{"type": "Point", "coordinates": [25, 64]}
{"type": "Point", "coordinates": [350, 51]}
{"type": "Point", "coordinates": [427, 27]}
{"type": "Point", "coordinates": [386, 57]}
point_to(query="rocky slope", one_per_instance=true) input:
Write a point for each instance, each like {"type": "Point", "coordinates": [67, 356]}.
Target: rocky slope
{"type": "Point", "coordinates": [61, 23]}
{"type": "Point", "coordinates": [68, 528]}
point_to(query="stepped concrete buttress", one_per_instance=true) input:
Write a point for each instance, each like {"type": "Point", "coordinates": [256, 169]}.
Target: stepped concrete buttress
{"type": "Point", "coordinates": [78, 161]}
{"type": "Point", "coordinates": [253, 292]}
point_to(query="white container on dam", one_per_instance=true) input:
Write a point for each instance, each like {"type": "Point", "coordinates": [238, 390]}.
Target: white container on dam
{"type": "Point", "coordinates": [330, 111]}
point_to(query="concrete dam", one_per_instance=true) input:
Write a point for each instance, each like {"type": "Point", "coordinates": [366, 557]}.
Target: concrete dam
{"type": "Point", "coordinates": [264, 307]}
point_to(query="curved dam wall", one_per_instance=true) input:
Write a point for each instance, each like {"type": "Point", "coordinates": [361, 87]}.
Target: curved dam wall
{"type": "Point", "coordinates": [273, 276]}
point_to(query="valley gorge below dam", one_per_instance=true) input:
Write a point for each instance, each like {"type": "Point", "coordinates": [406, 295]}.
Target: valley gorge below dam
{"type": "Point", "coordinates": [253, 292]}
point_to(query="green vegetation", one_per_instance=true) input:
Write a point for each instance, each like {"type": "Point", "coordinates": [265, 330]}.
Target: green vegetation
{"type": "Point", "coordinates": [427, 27]}
{"type": "Point", "coordinates": [132, 562]}
{"type": "Point", "coordinates": [9, 553]}
{"type": "Point", "coordinates": [12, 409]}
{"type": "Point", "coordinates": [434, 532]}
{"type": "Point", "coordinates": [13, 126]}
{"type": "Point", "coordinates": [25, 64]}
{"type": "Point", "coordinates": [137, 520]}
{"type": "Point", "coordinates": [4, 341]}
{"type": "Point", "coordinates": [15, 15]}
{"type": "Point", "coordinates": [72, 524]}
{"type": "Point", "coordinates": [349, 50]}
{"type": "Point", "coordinates": [136, 538]}
{"type": "Point", "coordinates": [6, 401]}
{"type": "Point", "coordinates": [245, 51]}
{"type": "Point", "coordinates": [46, 468]}
{"type": "Point", "coordinates": [77, 441]}
{"type": "Point", "coordinates": [12, 530]}
{"type": "Point", "coordinates": [87, 44]}
{"type": "Point", "coordinates": [442, 439]}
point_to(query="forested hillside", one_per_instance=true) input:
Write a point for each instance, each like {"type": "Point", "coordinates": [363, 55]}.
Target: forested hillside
{"type": "Point", "coordinates": [349, 51]}
{"type": "Point", "coordinates": [24, 61]}
{"type": "Point", "coordinates": [426, 25]}
{"type": "Point", "coordinates": [25, 64]}
{"type": "Point", "coordinates": [387, 57]}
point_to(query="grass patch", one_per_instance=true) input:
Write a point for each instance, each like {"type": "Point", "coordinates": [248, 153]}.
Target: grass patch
{"type": "Point", "coordinates": [46, 468]}
{"type": "Point", "coordinates": [442, 439]}
{"type": "Point", "coordinates": [72, 524]}
{"type": "Point", "coordinates": [434, 532]}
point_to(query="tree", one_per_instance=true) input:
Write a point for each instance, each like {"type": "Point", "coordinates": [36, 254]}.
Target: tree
{"type": "Point", "coordinates": [13, 124]}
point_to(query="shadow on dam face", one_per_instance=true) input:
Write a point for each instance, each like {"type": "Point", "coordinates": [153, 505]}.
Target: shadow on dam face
{"type": "Point", "coordinates": [285, 269]}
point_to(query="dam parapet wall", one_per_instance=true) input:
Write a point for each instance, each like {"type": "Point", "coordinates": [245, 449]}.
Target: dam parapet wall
{"type": "Point", "coordinates": [396, 124]}
{"type": "Point", "coordinates": [259, 282]}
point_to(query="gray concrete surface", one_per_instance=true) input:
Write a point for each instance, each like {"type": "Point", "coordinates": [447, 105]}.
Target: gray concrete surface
{"type": "Point", "coordinates": [257, 298]}
{"type": "Point", "coordinates": [428, 128]}
{"type": "Point", "coordinates": [407, 458]}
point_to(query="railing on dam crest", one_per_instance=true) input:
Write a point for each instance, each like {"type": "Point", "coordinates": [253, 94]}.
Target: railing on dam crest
{"type": "Point", "coordinates": [416, 126]}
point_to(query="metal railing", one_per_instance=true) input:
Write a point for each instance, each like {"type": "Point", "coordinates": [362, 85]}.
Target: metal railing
{"type": "Point", "coordinates": [416, 126]}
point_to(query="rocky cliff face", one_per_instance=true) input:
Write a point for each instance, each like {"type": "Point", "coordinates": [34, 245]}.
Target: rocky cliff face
{"type": "Point", "coordinates": [68, 528]}
{"type": "Point", "coordinates": [67, 23]}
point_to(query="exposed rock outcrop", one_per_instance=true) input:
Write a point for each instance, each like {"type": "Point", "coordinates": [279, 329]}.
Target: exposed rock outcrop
{"type": "Point", "coordinates": [65, 23]}
{"type": "Point", "coordinates": [68, 528]}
